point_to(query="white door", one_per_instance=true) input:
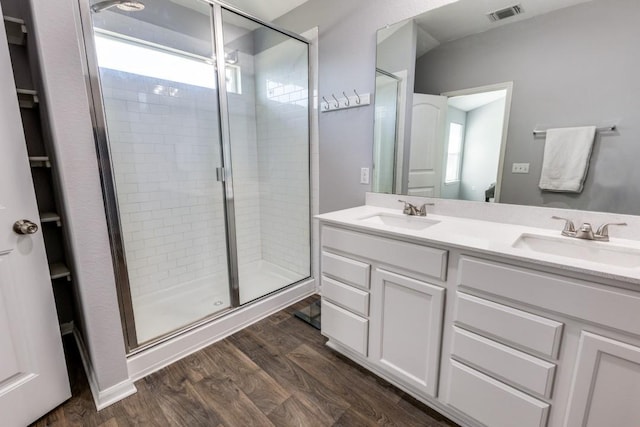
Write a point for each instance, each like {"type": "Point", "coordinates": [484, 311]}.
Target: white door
{"type": "Point", "coordinates": [33, 375]}
{"type": "Point", "coordinates": [606, 384]}
{"type": "Point", "coordinates": [428, 122]}
{"type": "Point", "coordinates": [406, 326]}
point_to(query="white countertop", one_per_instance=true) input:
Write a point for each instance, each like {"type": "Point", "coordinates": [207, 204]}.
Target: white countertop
{"type": "Point", "coordinates": [491, 238]}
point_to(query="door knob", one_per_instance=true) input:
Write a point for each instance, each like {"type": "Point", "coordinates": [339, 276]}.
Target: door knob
{"type": "Point", "coordinates": [24, 226]}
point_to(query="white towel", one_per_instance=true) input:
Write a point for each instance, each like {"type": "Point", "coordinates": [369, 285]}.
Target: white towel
{"type": "Point", "coordinates": [566, 158]}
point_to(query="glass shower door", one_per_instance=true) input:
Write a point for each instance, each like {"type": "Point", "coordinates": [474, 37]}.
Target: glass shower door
{"type": "Point", "coordinates": [160, 97]}
{"type": "Point", "coordinates": [267, 87]}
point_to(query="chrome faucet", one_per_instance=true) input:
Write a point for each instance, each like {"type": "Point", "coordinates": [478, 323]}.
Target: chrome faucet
{"type": "Point", "coordinates": [586, 231]}
{"type": "Point", "coordinates": [410, 209]}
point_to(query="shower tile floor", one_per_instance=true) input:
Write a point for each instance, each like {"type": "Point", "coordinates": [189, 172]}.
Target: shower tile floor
{"type": "Point", "coordinates": [170, 309]}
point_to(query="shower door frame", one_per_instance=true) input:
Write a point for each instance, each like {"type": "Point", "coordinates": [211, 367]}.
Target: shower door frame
{"type": "Point", "coordinates": [98, 116]}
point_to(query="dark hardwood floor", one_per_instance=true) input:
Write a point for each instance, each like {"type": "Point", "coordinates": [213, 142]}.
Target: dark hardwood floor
{"type": "Point", "coordinates": [277, 372]}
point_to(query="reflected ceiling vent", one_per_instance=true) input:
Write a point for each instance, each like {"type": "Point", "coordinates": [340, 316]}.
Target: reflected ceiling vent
{"type": "Point", "coordinates": [505, 13]}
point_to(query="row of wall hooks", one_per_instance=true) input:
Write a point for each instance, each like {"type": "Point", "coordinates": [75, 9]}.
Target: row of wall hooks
{"type": "Point", "coordinates": [346, 101]}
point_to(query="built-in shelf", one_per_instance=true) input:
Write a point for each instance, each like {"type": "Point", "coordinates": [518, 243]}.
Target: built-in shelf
{"type": "Point", "coordinates": [66, 328]}
{"type": "Point", "coordinates": [27, 98]}
{"type": "Point", "coordinates": [39, 162]}
{"type": "Point", "coordinates": [58, 271]}
{"type": "Point", "coordinates": [50, 217]}
{"type": "Point", "coordinates": [16, 30]}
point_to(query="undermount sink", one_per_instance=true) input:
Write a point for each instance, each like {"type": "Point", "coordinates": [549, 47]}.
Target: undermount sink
{"type": "Point", "coordinates": [586, 250]}
{"type": "Point", "coordinates": [399, 221]}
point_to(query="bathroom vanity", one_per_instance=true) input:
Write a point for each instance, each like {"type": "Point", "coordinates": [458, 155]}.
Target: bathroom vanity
{"type": "Point", "coordinates": [491, 324]}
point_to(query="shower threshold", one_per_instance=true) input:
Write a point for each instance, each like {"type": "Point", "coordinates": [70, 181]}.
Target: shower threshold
{"type": "Point", "coordinates": [165, 311]}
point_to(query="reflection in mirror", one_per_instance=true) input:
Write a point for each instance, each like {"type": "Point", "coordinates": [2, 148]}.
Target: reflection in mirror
{"type": "Point", "coordinates": [556, 64]}
{"type": "Point", "coordinates": [386, 121]}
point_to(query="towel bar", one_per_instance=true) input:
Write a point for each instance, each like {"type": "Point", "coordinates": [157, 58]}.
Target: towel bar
{"type": "Point", "coordinates": [602, 129]}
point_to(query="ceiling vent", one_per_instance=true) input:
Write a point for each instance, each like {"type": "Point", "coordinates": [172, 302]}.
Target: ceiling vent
{"type": "Point", "coordinates": [505, 13]}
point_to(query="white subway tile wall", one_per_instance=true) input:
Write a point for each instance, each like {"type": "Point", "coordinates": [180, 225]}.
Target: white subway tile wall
{"type": "Point", "coordinates": [244, 155]}
{"type": "Point", "coordinates": [164, 142]}
{"type": "Point", "coordinates": [283, 155]}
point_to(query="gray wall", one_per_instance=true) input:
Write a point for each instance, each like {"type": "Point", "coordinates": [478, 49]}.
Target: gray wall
{"type": "Point", "coordinates": [347, 54]}
{"type": "Point", "coordinates": [481, 150]}
{"type": "Point", "coordinates": [577, 66]}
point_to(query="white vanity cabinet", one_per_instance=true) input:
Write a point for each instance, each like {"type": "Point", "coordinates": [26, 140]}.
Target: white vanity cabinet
{"type": "Point", "coordinates": [406, 328]}
{"type": "Point", "coordinates": [488, 340]}
{"type": "Point", "coordinates": [345, 302]}
{"type": "Point", "coordinates": [383, 300]}
{"type": "Point", "coordinates": [605, 390]}
{"type": "Point", "coordinates": [522, 326]}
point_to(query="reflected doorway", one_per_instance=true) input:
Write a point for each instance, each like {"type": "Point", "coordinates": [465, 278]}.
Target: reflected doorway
{"type": "Point", "coordinates": [474, 142]}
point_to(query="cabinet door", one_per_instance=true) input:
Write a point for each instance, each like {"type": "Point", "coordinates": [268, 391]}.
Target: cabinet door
{"type": "Point", "coordinates": [406, 327]}
{"type": "Point", "coordinates": [606, 384]}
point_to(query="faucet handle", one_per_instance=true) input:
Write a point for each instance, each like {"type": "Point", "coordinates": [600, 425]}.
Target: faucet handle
{"type": "Point", "coordinates": [409, 209]}
{"type": "Point", "coordinates": [422, 211]}
{"type": "Point", "coordinates": [603, 230]}
{"type": "Point", "coordinates": [569, 229]}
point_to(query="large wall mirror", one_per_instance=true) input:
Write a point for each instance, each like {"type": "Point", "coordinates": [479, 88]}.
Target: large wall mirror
{"type": "Point", "coordinates": [460, 91]}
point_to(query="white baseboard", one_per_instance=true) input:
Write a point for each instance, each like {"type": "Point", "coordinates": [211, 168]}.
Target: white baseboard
{"type": "Point", "coordinates": [157, 357]}
{"type": "Point", "coordinates": [108, 396]}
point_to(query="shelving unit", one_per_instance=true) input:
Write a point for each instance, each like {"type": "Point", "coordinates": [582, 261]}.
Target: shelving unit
{"type": "Point", "coordinates": [59, 271]}
{"type": "Point", "coordinates": [46, 217]}
{"type": "Point", "coordinates": [39, 162]}
{"type": "Point", "coordinates": [16, 30]}
{"type": "Point", "coordinates": [27, 98]}
{"type": "Point", "coordinates": [43, 170]}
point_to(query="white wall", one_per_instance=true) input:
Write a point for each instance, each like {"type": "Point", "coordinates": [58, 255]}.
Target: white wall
{"type": "Point", "coordinates": [66, 100]}
{"type": "Point", "coordinates": [164, 150]}
{"type": "Point", "coordinates": [347, 54]}
{"type": "Point", "coordinates": [482, 141]}
{"type": "Point", "coordinates": [283, 155]}
{"type": "Point", "coordinates": [244, 158]}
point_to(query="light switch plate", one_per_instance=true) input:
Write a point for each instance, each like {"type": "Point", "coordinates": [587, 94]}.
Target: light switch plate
{"type": "Point", "coordinates": [520, 168]}
{"type": "Point", "coordinates": [364, 175]}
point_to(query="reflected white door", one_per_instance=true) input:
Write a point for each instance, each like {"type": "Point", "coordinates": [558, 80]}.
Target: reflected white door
{"type": "Point", "coordinates": [33, 375]}
{"type": "Point", "coordinates": [427, 141]}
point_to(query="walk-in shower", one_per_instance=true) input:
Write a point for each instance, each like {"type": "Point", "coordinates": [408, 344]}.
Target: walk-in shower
{"type": "Point", "coordinates": [202, 123]}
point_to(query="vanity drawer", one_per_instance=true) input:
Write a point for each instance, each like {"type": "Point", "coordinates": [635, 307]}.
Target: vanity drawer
{"type": "Point", "coordinates": [491, 402]}
{"type": "Point", "coordinates": [407, 256]}
{"type": "Point", "coordinates": [347, 270]}
{"type": "Point", "coordinates": [604, 305]}
{"type": "Point", "coordinates": [509, 325]}
{"type": "Point", "coordinates": [346, 296]}
{"type": "Point", "coordinates": [345, 327]}
{"type": "Point", "coordinates": [505, 363]}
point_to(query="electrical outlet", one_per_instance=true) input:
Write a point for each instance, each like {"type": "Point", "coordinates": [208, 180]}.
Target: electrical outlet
{"type": "Point", "coordinates": [520, 168]}
{"type": "Point", "coordinates": [364, 175]}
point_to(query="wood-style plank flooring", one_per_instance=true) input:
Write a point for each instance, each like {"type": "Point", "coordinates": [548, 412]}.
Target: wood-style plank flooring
{"type": "Point", "coordinates": [277, 372]}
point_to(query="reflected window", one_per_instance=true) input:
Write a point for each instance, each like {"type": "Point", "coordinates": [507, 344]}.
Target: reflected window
{"type": "Point", "coordinates": [454, 152]}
